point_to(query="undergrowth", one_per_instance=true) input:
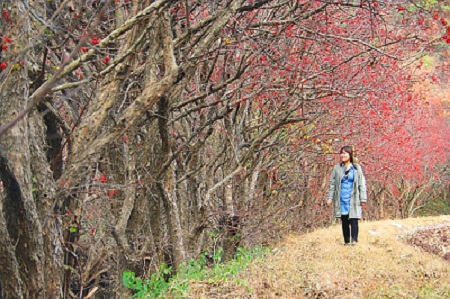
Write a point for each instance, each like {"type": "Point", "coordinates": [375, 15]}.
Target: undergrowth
{"type": "Point", "coordinates": [437, 207]}
{"type": "Point", "coordinates": [195, 270]}
{"type": "Point", "coordinates": [316, 265]}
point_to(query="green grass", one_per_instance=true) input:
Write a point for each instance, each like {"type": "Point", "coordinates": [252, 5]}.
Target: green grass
{"type": "Point", "coordinates": [191, 272]}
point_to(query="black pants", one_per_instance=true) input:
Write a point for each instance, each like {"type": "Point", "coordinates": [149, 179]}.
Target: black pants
{"type": "Point", "coordinates": [346, 225]}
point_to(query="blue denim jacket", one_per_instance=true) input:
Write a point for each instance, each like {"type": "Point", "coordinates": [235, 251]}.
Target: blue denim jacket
{"type": "Point", "coordinates": [346, 190]}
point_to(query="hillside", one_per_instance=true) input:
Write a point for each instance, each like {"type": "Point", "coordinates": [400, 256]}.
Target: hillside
{"type": "Point", "coordinates": [381, 265]}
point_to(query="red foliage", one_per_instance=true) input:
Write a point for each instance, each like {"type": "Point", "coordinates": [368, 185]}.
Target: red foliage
{"type": "Point", "coordinates": [354, 94]}
{"type": "Point", "coordinates": [95, 40]}
{"type": "Point", "coordinates": [103, 178]}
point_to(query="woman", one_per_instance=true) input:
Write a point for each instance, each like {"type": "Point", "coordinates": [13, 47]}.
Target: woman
{"type": "Point", "coordinates": [348, 192]}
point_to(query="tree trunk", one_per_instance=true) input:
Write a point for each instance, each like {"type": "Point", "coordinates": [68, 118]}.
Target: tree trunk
{"type": "Point", "coordinates": [30, 245]}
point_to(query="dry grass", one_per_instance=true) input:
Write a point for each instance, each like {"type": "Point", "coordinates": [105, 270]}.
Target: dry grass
{"type": "Point", "coordinates": [317, 265]}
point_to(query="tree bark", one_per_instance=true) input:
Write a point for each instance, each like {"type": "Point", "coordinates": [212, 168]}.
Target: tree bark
{"type": "Point", "coordinates": [30, 241]}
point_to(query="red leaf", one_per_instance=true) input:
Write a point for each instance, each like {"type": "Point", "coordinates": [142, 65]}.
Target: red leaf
{"type": "Point", "coordinates": [103, 178]}
{"type": "Point", "coordinates": [95, 40]}
{"type": "Point", "coordinates": [435, 15]}
{"type": "Point", "coordinates": [421, 21]}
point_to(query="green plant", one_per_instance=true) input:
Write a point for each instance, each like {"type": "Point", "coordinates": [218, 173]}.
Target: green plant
{"type": "Point", "coordinates": [153, 287]}
{"type": "Point", "coordinates": [192, 270]}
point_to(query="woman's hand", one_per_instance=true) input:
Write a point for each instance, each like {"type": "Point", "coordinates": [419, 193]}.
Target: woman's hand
{"type": "Point", "coordinates": [363, 206]}
{"type": "Point", "coordinates": [329, 202]}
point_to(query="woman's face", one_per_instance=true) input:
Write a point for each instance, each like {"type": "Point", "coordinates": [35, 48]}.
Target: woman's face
{"type": "Point", "coordinates": [345, 157]}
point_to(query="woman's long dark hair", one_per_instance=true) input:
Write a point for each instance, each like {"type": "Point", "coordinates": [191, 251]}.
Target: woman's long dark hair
{"type": "Point", "coordinates": [348, 149]}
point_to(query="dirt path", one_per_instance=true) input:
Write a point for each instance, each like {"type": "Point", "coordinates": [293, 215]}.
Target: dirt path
{"type": "Point", "coordinates": [394, 259]}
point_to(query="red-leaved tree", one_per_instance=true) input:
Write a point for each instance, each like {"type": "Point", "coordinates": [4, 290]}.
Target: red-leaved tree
{"type": "Point", "coordinates": [138, 134]}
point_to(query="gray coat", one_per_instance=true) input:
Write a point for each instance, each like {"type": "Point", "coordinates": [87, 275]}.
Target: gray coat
{"type": "Point", "coordinates": [359, 192]}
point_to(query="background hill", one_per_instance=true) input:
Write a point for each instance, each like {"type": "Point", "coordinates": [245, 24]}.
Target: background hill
{"type": "Point", "coordinates": [384, 264]}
